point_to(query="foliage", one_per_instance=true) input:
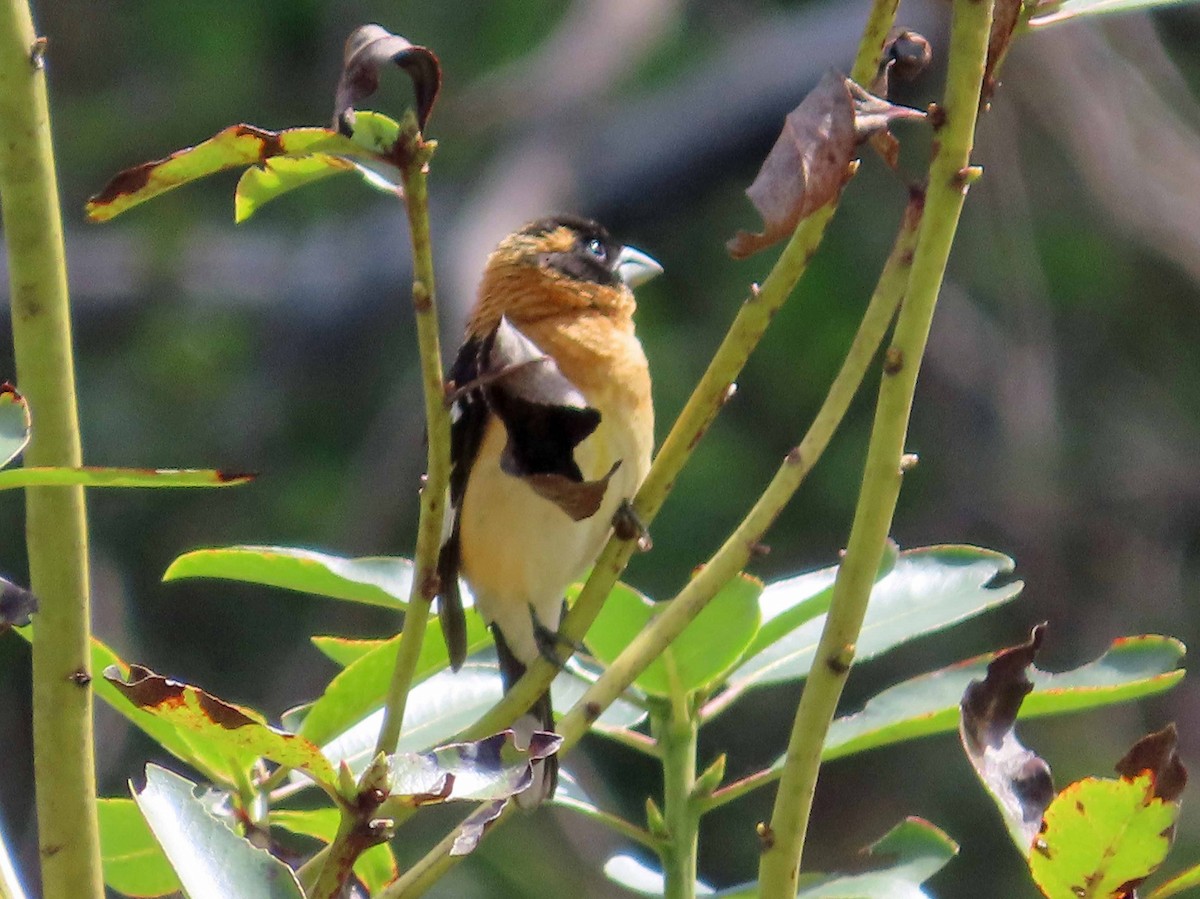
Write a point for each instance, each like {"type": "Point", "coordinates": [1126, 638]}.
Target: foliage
{"type": "Point", "coordinates": [654, 672]}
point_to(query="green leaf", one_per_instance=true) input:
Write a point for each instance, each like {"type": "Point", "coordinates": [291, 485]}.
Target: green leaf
{"type": "Point", "coordinates": [14, 423]}
{"type": "Point", "coordinates": [1099, 834]}
{"type": "Point", "coordinates": [641, 878]}
{"type": "Point", "coordinates": [1055, 12]}
{"type": "Point", "coordinates": [134, 863]}
{"type": "Point", "coordinates": [261, 184]}
{"type": "Point", "coordinates": [436, 710]}
{"type": "Point", "coordinates": [191, 748]}
{"type": "Point", "coordinates": [234, 147]}
{"type": "Point", "coordinates": [1131, 668]}
{"type": "Point", "coordinates": [787, 604]}
{"type": "Point", "coordinates": [909, 854]}
{"type": "Point", "coordinates": [240, 733]}
{"type": "Point", "coordinates": [376, 867]}
{"type": "Point", "coordinates": [344, 651]}
{"type": "Point", "coordinates": [92, 476]}
{"type": "Point", "coordinates": [361, 687]}
{"type": "Point", "coordinates": [928, 590]}
{"type": "Point", "coordinates": [212, 861]}
{"type": "Point", "coordinates": [477, 771]}
{"type": "Point", "coordinates": [376, 580]}
{"type": "Point", "coordinates": [444, 705]}
{"type": "Point", "coordinates": [1185, 880]}
{"type": "Point", "coordinates": [700, 656]}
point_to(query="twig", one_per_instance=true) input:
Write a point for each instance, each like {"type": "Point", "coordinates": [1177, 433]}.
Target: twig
{"type": "Point", "coordinates": [950, 174]}
{"type": "Point", "coordinates": [55, 521]}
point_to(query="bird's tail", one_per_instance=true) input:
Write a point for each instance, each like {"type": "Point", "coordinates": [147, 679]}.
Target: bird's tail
{"type": "Point", "coordinates": [539, 717]}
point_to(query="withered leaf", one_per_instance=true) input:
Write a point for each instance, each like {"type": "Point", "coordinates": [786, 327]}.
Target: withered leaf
{"type": "Point", "coordinates": [1158, 754]}
{"type": "Point", "coordinates": [810, 162]}
{"type": "Point", "coordinates": [471, 831]}
{"type": "Point", "coordinates": [369, 48]}
{"type": "Point", "coordinates": [16, 605]}
{"type": "Point", "coordinates": [1005, 16]}
{"type": "Point", "coordinates": [1018, 780]}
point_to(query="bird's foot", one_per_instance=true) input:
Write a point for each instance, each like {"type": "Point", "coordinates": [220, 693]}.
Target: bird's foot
{"type": "Point", "coordinates": [628, 526]}
{"type": "Point", "coordinates": [549, 641]}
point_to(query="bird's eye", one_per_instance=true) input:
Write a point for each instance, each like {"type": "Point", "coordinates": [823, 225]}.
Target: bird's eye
{"type": "Point", "coordinates": [596, 247]}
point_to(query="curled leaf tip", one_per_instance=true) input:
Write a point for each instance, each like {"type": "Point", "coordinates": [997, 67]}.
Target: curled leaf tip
{"type": "Point", "coordinates": [371, 47]}
{"type": "Point", "coordinates": [813, 158]}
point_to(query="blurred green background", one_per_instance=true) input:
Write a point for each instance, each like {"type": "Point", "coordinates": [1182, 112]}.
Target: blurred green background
{"type": "Point", "coordinates": [1057, 416]}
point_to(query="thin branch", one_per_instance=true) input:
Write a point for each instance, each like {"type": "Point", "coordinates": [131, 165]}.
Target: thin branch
{"type": "Point", "coordinates": [437, 422]}
{"type": "Point", "coordinates": [950, 174]}
{"type": "Point", "coordinates": [55, 520]}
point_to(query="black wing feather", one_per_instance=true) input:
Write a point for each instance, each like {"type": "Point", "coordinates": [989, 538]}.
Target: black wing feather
{"type": "Point", "coordinates": [466, 435]}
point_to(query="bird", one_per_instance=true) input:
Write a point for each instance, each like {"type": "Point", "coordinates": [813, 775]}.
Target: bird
{"type": "Point", "coordinates": [552, 432]}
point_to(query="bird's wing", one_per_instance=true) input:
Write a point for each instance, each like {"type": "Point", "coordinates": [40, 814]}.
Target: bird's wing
{"type": "Point", "coordinates": [545, 417]}
{"type": "Point", "coordinates": [468, 420]}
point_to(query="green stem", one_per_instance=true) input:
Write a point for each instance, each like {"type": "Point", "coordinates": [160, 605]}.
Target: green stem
{"type": "Point", "coordinates": [55, 521]}
{"type": "Point", "coordinates": [949, 177]}
{"type": "Point", "coordinates": [702, 407]}
{"type": "Point", "coordinates": [437, 420]}
{"type": "Point", "coordinates": [677, 735]}
{"type": "Point", "coordinates": [870, 48]}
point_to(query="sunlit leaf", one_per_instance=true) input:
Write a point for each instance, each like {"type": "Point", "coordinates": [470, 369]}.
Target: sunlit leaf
{"type": "Point", "coordinates": [700, 656]}
{"type": "Point", "coordinates": [345, 651]}
{"type": "Point", "coordinates": [133, 862]}
{"type": "Point", "coordinates": [1131, 668]}
{"type": "Point", "coordinates": [478, 771]}
{"type": "Point", "coordinates": [212, 861]}
{"type": "Point", "coordinates": [375, 580]}
{"type": "Point", "coordinates": [93, 476]}
{"type": "Point", "coordinates": [360, 688]}
{"type": "Point", "coordinates": [908, 855]}
{"type": "Point", "coordinates": [260, 184]}
{"type": "Point", "coordinates": [234, 147]}
{"type": "Point", "coordinates": [376, 867]}
{"type": "Point", "coordinates": [14, 423]}
{"type": "Point", "coordinates": [192, 748]}
{"type": "Point", "coordinates": [1054, 12]}
{"type": "Point", "coordinates": [787, 604]}
{"type": "Point", "coordinates": [643, 879]}
{"type": "Point", "coordinates": [1101, 836]}
{"type": "Point", "coordinates": [240, 733]}
{"type": "Point", "coordinates": [1188, 879]}
{"type": "Point", "coordinates": [436, 710]}
{"type": "Point", "coordinates": [928, 590]}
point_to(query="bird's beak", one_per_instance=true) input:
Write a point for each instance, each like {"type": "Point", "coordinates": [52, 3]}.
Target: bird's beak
{"type": "Point", "coordinates": [635, 268]}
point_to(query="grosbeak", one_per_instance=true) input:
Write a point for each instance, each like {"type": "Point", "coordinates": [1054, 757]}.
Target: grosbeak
{"type": "Point", "coordinates": [552, 430]}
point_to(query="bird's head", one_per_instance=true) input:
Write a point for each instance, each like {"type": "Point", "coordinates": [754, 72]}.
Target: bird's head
{"type": "Point", "coordinates": [565, 265]}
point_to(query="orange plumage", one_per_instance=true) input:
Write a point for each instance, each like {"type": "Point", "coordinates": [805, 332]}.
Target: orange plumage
{"type": "Point", "coordinates": [565, 286]}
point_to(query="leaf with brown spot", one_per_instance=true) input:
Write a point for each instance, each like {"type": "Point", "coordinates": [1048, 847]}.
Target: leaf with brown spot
{"type": "Point", "coordinates": [369, 48]}
{"type": "Point", "coordinates": [95, 476]}
{"type": "Point", "coordinates": [1157, 754]}
{"type": "Point", "coordinates": [811, 161]}
{"type": "Point", "coordinates": [242, 732]}
{"type": "Point", "coordinates": [1016, 778]}
{"type": "Point", "coordinates": [234, 147]}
